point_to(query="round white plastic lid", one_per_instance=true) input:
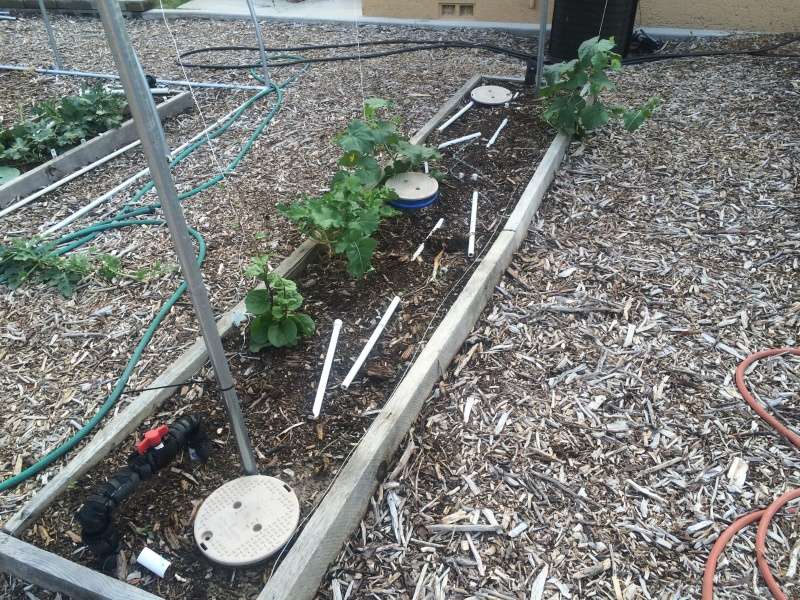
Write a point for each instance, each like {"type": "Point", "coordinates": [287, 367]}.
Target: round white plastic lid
{"type": "Point", "coordinates": [246, 520]}
{"type": "Point", "coordinates": [491, 95]}
{"type": "Point", "coordinates": [413, 186]}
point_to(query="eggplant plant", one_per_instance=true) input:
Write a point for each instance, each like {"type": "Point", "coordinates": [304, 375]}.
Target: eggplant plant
{"type": "Point", "coordinates": [276, 321]}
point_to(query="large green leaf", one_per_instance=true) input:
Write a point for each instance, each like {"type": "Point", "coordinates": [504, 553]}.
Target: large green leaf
{"type": "Point", "coordinates": [259, 333]}
{"type": "Point", "coordinates": [305, 325]}
{"type": "Point", "coordinates": [594, 116]}
{"type": "Point", "coordinates": [283, 333]}
{"type": "Point", "coordinates": [357, 137]}
{"type": "Point", "coordinates": [359, 256]}
{"type": "Point", "coordinates": [258, 302]}
{"type": "Point", "coordinates": [633, 119]}
{"type": "Point", "coordinates": [368, 171]}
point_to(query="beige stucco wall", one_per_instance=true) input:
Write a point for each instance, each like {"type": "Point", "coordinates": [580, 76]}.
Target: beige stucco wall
{"type": "Point", "coordinates": [745, 15]}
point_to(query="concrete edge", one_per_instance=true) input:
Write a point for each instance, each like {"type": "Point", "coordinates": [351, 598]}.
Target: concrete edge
{"type": "Point", "coordinates": [299, 574]}
{"type": "Point", "coordinates": [185, 13]}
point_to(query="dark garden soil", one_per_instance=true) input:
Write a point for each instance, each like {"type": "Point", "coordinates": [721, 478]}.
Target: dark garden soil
{"type": "Point", "coordinates": [277, 387]}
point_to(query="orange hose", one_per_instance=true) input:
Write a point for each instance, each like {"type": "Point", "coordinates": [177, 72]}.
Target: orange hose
{"type": "Point", "coordinates": [762, 516]}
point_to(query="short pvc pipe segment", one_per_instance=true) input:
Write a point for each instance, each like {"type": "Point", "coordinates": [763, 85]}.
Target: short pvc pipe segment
{"type": "Point", "coordinates": [764, 517]}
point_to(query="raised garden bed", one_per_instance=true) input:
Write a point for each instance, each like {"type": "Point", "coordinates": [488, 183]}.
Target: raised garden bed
{"type": "Point", "coordinates": [84, 154]}
{"type": "Point", "coordinates": [308, 454]}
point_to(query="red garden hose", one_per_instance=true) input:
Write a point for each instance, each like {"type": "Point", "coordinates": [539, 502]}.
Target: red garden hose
{"type": "Point", "coordinates": [762, 516]}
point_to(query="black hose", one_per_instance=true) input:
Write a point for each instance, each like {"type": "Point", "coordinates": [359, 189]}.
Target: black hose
{"type": "Point", "coordinates": [421, 45]}
{"type": "Point", "coordinates": [95, 516]}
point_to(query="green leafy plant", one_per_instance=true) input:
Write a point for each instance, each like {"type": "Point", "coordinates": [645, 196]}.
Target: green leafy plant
{"type": "Point", "coordinates": [276, 321]}
{"type": "Point", "coordinates": [109, 267]}
{"type": "Point", "coordinates": [345, 218]}
{"type": "Point", "coordinates": [61, 124]}
{"type": "Point", "coordinates": [28, 260]}
{"type": "Point", "coordinates": [573, 103]}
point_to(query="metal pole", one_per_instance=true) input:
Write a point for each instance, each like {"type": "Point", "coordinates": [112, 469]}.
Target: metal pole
{"type": "Point", "coordinates": [252, 8]}
{"type": "Point", "coordinates": [51, 36]}
{"type": "Point", "coordinates": [543, 14]}
{"type": "Point", "coordinates": [148, 126]}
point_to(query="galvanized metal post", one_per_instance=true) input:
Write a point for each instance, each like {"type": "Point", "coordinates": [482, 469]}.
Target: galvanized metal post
{"type": "Point", "coordinates": [155, 148]}
{"type": "Point", "coordinates": [543, 14]}
{"type": "Point", "coordinates": [51, 36]}
{"type": "Point", "coordinates": [259, 39]}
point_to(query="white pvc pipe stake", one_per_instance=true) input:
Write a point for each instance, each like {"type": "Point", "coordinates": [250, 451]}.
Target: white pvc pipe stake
{"type": "Point", "coordinates": [427, 237]}
{"type": "Point", "coordinates": [466, 138]}
{"type": "Point", "coordinates": [67, 179]}
{"type": "Point", "coordinates": [370, 343]}
{"type": "Point", "coordinates": [472, 220]}
{"type": "Point", "coordinates": [326, 368]}
{"type": "Point", "coordinates": [133, 178]}
{"type": "Point", "coordinates": [497, 133]}
{"type": "Point", "coordinates": [455, 117]}
{"type": "Point", "coordinates": [153, 562]}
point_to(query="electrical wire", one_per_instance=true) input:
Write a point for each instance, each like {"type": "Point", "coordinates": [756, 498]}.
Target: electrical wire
{"type": "Point", "coordinates": [762, 516]}
{"type": "Point", "coordinates": [422, 45]}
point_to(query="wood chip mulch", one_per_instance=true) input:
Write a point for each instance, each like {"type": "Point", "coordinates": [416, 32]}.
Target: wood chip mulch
{"type": "Point", "coordinates": [589, 440]}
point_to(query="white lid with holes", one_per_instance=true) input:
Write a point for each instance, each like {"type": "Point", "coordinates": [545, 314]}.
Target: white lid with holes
{"type": "Point", "coordinates": [413, 186]}
{"type": "Point", "coordinates": [491, 95]}
{"type": "Point", "coordinates": [246, 520]}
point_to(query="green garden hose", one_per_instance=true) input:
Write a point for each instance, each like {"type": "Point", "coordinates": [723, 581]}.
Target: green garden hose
{"type": "Point", "coordinates": [126, 217]}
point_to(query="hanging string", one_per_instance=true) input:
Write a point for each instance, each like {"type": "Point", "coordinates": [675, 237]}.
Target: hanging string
{"type": "Point", "coordinates": [191, 90]}
{"type": "Point", "coordinates": [358, 51]}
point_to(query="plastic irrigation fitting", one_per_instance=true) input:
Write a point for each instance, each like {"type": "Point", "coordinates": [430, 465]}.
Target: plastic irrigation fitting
{"type": "Point", "coordinates": [159, 447]}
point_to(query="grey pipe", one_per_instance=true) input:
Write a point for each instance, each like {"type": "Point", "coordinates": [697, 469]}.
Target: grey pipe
{"type": "Point", "coordinates": [51, 36]}
{"type": "Point", "coordinates": [261, 51]}
{"type": "Point", "coordinates": [178, 83]}
{"type": "Point", "coordinates": [543, 10]}
{"type": "Point", "coordinates": [154, 145]}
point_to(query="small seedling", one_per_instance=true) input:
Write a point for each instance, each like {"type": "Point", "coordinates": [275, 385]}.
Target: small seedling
{"type": "Point", "coordinates": [31, 260]}
{"type": "Point", "coordinates": [573, 103]}
{"type": "Point", "coordinates": [276, 321]}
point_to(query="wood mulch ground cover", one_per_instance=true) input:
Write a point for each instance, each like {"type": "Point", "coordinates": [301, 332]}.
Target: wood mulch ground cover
{"type": "Point", "coordinates": [674, 231]}
{"type": "Point", "coordinates": [592, 415]}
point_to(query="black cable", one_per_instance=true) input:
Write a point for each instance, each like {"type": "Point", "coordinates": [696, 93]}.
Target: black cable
{"type": "Point", "coordinates": [421, 45]}
{"type": "Point", "coordinates": [417, 46]}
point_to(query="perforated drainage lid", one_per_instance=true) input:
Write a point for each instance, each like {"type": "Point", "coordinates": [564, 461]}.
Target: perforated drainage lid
{"type": "Point", "coordinates": [246, 520]}
{"type": "Point", "coordinates": [491, 95]}
{"type": "Point", "coordinates": [413, 186]}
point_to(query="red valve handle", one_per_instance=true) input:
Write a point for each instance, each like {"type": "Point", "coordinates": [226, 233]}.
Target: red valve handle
{"type": "Point", "coordinates": [151, 439]}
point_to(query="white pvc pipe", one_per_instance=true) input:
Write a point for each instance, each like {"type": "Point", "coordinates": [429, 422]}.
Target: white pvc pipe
{"type": "Point", "coordinates": [466, 138]}
{"type": "Point", "coordinates": [67, 179]}
{"type": "Point", "coordinates": [497, 133]}
{"type": "Point", "coordinates": [427, 237]}
{"type": "Point", "coordinates": [370, 343]}
{"type": "Point", "coordinates": [472, 221]}
{"type": "Point", "coordinates": [326, 368]}
{"type": "Point", "coordinates": [455, 117]}
{"type": "Point", "coordinates": [132, 179]}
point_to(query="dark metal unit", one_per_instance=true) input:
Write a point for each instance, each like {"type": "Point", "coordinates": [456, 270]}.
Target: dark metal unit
{"type": "Point", "coordinates": [577, 20]}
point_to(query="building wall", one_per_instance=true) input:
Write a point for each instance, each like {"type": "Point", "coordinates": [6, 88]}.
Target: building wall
{"type": "Point", "coordinates": [744, 15]}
